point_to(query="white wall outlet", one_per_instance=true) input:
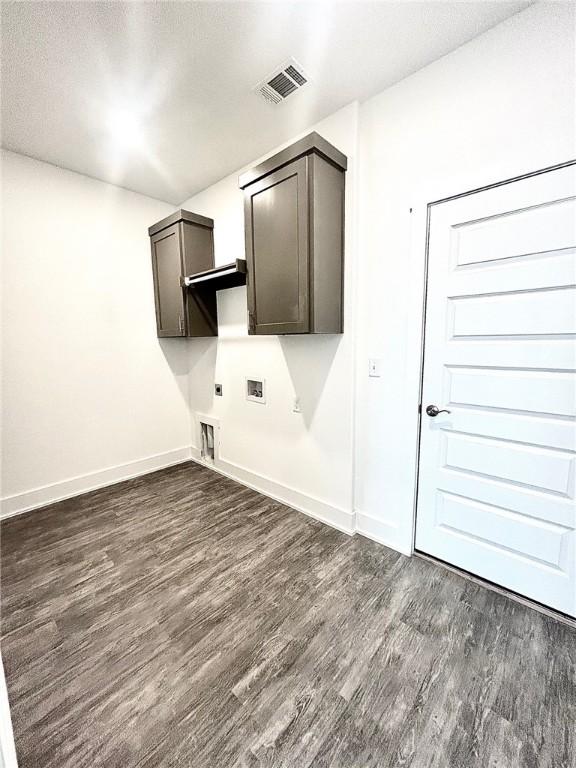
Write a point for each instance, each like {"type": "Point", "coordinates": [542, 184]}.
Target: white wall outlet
{"type": "Point", "coordinates": [297, 407]}
{"type": "Point", "coordinates": [375, 367]}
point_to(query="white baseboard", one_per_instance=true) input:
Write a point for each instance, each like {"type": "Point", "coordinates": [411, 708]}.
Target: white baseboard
{"type": "Point", "coordinates": [338, 518]}
{"type": "Point", "coordinates": [382, 532]}
{"type": "Point", "coordinates": [343, 520]}
{"type": "Point", "coordinates": [66, 489]}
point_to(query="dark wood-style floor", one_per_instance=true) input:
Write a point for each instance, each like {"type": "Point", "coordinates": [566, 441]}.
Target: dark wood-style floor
{"type": "Point", "coordinates": [183, 620]}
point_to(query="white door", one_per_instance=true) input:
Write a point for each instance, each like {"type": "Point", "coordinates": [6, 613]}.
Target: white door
{"type": "Point", "coordinates": [497, 473]}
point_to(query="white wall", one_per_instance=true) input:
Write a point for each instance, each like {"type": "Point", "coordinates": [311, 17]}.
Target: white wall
{"type": "Point", "coordinates": [303, 458]}
{"type": "Point", "coordinates": [89, 394]}
{"type": "Point", "coordinates": [500, 106]}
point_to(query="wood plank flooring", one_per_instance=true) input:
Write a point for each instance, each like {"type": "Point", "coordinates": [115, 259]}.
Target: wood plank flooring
{"type": "Point", "coordinates": [182, 620]}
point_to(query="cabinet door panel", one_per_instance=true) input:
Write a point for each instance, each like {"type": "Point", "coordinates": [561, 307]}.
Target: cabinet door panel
{"type": "Point", "coordinates": [167, 266]}
{"type": "Point", "coordinates": [278, 251]}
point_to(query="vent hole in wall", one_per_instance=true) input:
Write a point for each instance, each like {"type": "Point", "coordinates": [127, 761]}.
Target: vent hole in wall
{"type": "Point", "coordinates": [207, 448]}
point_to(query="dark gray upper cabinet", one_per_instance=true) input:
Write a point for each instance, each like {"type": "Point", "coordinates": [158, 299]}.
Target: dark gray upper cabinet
{"type": "Point", "coordinates": [294, 224]}
{"type": "Point", "coordinates": [183, 244]}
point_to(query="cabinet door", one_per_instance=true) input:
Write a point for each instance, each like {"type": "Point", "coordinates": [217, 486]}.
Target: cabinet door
{"type": "Point", "coordinates": [168, 293]}
{"type": "Point", "coordinates": [277, 250]}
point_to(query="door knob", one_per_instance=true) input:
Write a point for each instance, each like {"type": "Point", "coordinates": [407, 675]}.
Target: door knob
{"type": "Point", "coordinates": [433, 410]}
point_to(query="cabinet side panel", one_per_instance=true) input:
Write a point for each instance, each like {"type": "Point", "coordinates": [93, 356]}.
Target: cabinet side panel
{"type": "Point", "coordinates": [202, 312]}
{"type": "Point", "coordinates": [166, 265]}
{"type": "Point", "coordinates": [327, 215]}
{"type": "Point", "coordinates": [249, 252]}
{"type": "Point", "coordinates": [198, 245]}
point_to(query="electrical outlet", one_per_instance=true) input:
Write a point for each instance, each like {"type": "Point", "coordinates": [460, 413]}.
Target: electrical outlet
{"type": "Point", "coordinates": [218, 389]}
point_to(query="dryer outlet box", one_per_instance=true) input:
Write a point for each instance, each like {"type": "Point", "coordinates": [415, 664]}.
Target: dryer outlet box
{"type": "Point", "coordinates": [208, 438]}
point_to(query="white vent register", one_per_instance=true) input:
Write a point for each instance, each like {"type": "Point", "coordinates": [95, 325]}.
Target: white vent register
{"type": "Point", "coordinates": [282, 82]}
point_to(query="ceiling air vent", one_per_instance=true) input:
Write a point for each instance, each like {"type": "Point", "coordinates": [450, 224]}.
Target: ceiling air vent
{"type": "Point", "coordinates": [283, 81]}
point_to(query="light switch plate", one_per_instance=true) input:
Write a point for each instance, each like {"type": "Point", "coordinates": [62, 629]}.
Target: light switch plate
{"type": "Point", "coordinates": [375, 367]}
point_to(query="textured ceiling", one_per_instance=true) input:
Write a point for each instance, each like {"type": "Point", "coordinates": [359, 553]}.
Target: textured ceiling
{"type": "Point", "coordinates": [185, 70]}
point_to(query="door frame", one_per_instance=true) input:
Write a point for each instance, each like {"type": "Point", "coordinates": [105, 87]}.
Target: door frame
{"type": "Point", "coordinates": [421, 229]}
{"type": "Point", "coordinates": [420, 232]}
{"type": "Point", "coordinates": [7, 745]}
